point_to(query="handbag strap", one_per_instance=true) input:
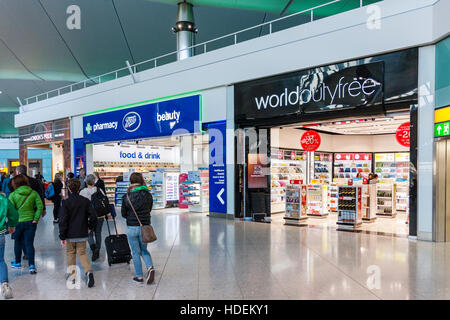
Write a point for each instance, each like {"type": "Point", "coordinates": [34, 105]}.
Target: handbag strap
{"type": "Point", "coordinates": [25, 200]}
{"type": "Point", "coordinates": [139, 220]}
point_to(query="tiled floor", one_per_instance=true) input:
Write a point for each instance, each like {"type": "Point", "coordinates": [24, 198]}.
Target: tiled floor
{"type": "Point", "coordinates": [197, 257]}
{"type": "Point", "coordinates": [382, 224]}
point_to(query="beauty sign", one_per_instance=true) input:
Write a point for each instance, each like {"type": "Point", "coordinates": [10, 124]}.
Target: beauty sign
{"type": "Point", "coordinates": [310, 140]}
{"type": "Point", "coordinates": [403, 134]}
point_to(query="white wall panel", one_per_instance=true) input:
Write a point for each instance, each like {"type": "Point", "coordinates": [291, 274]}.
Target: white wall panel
{"type": "Point", "coordinates": [404, 24]}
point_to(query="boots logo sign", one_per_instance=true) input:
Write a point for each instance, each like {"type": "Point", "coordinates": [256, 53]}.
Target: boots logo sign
{"type": "Point", "coordinates": [131, 121]}
{"type": "Point", "coordinates": [144, 120]}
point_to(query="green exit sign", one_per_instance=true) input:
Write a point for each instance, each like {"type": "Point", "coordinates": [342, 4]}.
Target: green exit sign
{"type": "Point", "coordinates": [442, 129]}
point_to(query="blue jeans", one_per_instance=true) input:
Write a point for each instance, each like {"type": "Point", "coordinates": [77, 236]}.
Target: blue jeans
{"type": "Point", "coordinates": [138, 249]}
{"type": "Point", "coordinates": [3, 267]}
{"type": "Point", "coordinates": [24, 236]}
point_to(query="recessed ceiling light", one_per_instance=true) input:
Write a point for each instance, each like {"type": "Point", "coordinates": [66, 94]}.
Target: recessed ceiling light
{"type": "Point", "coordinates": [1, 91]}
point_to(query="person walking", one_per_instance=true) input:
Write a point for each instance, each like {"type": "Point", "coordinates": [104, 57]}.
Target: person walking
{"type": "Point", "coordinates": [139, 198]}
{"type": "Point", "coordinates": [70, 175]}
{"type": "Point", "coordinates": [82, 178]}
{"type": "Point", "coordinates": [8, 221]}
{"type": "Point", "coordinates": [77, 217]}
{"type": "Point", "coordinates": [29, 205]}
{"type": "Point", "coordinates": [99, 183]}
{"type": "Point", "coordinates": [5, 185]}
{"type": "Point", "coordinates": [98, 194]}
{"type": "Point", "coordinates": [33, 183]}
{"type": "Point", "coordinates": [56, 199]}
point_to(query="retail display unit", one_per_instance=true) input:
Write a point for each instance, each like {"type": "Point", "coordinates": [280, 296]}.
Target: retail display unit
{"type": "Point", "coordinates": [171, 187]}
{"type": "Point", "coordinates": [333, 197]}
{"type": "Point", "coordinates": [323, 167]}
{"type": "Point", "coordinates": [395, 167]}
{"type": "Point", "coordinates": [109, 177]}
{"type": "Point", "coordinates": [369, 202]}
{"type": "Point", "coordinates": [195, 190]}
{"type": "Point", "coordinates": [349, 208]}
{"type": "Point", "coordinates": [348, 165]}
{"type": "Point", "coordinates": [158, 190]}
{"type": "Point", "coordinates": [120, 190]}
{"type": "Point", "coordinates": [386, 199]}
{"type": "Point", "coordinates": [296, 204]}
{"type": "Point", "coordinates": [317, 200]}
{"type": "Point", "coordinates": [285, 165]}
{"type": "Point", "coordinates": [402, 202]}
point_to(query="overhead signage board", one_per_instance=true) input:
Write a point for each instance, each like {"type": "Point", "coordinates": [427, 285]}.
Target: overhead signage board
{"type": "Point", "coordinates": [442, 115]}
{"type": "Point", "coordinates": [179, 116]}
{"type": "Point", "coordinates": [442, 129]}
{"type": "Point", "coordinates": [300, 92]}
{"type": "Point", "coordinates": [135, 153]}
{"type": "Point", "coordinates": [217, 167]}
{"type": "Point", "coordinates": [45, 132]}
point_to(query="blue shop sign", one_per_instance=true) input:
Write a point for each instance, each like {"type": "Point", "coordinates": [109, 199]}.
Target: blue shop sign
{"type": "Point", "coordinates": [217, 167]}
{"type": "Point", "coordinates": [149, 120]}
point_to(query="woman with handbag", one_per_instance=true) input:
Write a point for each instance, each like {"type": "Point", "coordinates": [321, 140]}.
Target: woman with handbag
{"type": "Point", "coordinates": [29, 205]}
{"type": "Point", "coordinates": [136, 207]}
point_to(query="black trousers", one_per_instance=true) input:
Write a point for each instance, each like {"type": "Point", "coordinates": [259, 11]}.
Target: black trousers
{"type": "Point", "coordinates": [56, 204]}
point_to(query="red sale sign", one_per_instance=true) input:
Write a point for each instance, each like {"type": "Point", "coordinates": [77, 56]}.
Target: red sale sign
{"type": "Point", "coordinates": [363, 156]}
{"type": "Point", "coordinates": [403, 134]}
{"type": "Point", "coordinates": [343, 156]}
{"type": "Point", "coordinates": [310, 140]}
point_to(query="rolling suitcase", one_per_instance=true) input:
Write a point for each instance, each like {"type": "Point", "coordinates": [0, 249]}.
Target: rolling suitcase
{"type": "Point", "coordinates": [117, 247]}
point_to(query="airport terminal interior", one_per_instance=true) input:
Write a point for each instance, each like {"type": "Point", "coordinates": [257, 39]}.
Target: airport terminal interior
{"type": "Point", "coordinates": [225, 150]}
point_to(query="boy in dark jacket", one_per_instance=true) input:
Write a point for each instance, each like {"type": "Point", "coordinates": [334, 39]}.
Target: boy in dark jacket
{"type": "Point", "coordinates": [77, 218]}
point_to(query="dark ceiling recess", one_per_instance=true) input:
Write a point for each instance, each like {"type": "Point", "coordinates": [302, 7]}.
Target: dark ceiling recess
{"type": "Point", "coordinates": [39, 53]}
{"type": "Point", "coordinates": [286, 7]}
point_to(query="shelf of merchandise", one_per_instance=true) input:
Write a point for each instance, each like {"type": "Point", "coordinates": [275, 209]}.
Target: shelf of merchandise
{"type": "Point", "coordinates": [296, 208]}
{"type": "Point", "coordinates": [332, 197]}
{"type": "Point", "coordinates": [192, 192]}
{"type": "Point", "coordinates": [349, 208]}
{"type": "Point", "coordinates": [323, 169]}
{"type": "Point", "coordinates": [350, 168]}
{"type": "Point", "coordinates": [204, 177]}
{"type": "Point", "coordinates": [120, 190]}
{"type": "Point", "coordinates": [395, 167]}
{"type": "Point", "coordinates": [282, 171]}
{"type": "Point", "coordinates": [317, 200]}
{"type": "Point", "coordinates": [109, 177]}
{"type": "Point", "coordinates": [158, 193]}
{"type": "Point", "coordinates": [369, 202]}
{"type": "Point", "coordinates": [171, 186]}
{"type": "Point", "coordinates": [386, 199]}
{"type": "Point", "coordinates": [403, 196]}
{"type": "Point", "coordinates": [196, 193]}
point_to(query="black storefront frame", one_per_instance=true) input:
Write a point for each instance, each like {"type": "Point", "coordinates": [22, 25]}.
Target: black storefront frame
{"type": "Point", "coordinates": [407, 102]}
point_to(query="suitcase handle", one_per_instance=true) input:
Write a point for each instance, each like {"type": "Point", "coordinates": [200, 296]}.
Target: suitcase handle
{"type": "Point", "coordinates": [115, 225]}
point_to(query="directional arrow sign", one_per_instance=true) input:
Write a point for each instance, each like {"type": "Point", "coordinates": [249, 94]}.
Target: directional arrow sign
{"type": "Point", "coordinates": [219, 196]}
{"type": "Point", "coordinates": [442, 129]}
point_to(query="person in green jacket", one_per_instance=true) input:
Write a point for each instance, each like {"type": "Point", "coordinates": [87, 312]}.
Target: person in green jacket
{"type": "Point", "coordinates": [8, 221]}
{"type": "Point", "coordinates": [29, 205]}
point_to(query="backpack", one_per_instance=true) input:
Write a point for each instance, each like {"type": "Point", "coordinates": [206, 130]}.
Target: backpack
{"type": "Point", "coordinates": [100, 203]}
{"type": "Point", "coordinates": [49, 192]}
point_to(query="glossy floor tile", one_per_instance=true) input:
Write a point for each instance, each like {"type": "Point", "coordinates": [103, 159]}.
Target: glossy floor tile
{"type": "Point", "coordinates": [197, 257]}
